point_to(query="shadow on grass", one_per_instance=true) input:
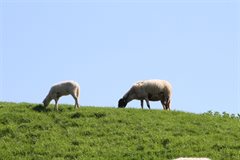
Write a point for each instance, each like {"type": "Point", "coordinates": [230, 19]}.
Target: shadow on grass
{"type": "Point", "coordinates": [41, 108]}
{"type": "Point", "coordinates": [77, 115]}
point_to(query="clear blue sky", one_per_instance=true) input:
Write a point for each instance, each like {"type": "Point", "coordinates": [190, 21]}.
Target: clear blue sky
{"type": "Point", "coordinates": [108, 45]}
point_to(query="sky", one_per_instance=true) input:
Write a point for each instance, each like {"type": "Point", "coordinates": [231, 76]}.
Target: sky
{"type": "Point", "coordinates": [108, 45]}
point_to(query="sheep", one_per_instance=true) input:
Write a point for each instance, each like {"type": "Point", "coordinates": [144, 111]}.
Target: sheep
{"type": "Point", "coordinates": [63, 89]}
{"type": "Point", "coordinates": [149, 90]}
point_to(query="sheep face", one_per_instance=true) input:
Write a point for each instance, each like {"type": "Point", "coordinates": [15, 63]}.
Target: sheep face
{"type": "Point", "coordinates": [46, 102]}
{"type": "Point", "coordinates": [122, 103]}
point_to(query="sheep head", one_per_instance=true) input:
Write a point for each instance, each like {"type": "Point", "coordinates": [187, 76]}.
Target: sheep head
{"type": "Point", "coordinates": [122, 103]}
{"type": "Point", "coordinates": [46, 102]}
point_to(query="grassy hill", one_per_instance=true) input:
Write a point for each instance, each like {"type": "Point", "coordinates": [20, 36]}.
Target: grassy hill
{"type": "Point", "coordinates": [28, 131]}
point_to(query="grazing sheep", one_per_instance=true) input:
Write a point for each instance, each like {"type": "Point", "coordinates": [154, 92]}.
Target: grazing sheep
{"type": "Point", "coordinates": [63, 89]}
{"type": "Point", "coordinates": [149, 90]}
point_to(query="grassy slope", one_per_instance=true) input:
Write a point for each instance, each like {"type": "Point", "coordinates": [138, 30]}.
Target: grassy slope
{"type": "Point", "coordinates": [29, 132]}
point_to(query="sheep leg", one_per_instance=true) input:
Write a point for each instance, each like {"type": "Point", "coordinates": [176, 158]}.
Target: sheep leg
{"type": "Point", "coordinates": [76, 100]}
{"type": "Point", "coordinates": [161, 94]}
{"type": "Point", "coordinates": [168, 104]}
{"type": "Point", "coordinates": [78, 103]}
{"type": "Point", "coordinates": [56, 104]}
{"type": "Point", "coordinates": [163, 104]}
{"type": "Point", "coordinates": [142, 104]}
{"type": "Point", "coordinates": [147, 101]}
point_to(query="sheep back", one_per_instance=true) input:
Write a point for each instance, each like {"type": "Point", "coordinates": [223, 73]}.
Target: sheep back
{"type": "Point", "coordinates": [64, 88]}
{"type": "Point", "coordinates": [152, 88]}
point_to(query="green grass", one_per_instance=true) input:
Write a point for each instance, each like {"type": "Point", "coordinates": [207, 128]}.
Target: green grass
{"type": "Point", "coordinates": [28, 131]}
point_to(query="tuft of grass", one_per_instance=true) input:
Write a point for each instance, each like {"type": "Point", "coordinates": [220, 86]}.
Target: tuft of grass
{"type": "Point", "coordinates": [30, 131]}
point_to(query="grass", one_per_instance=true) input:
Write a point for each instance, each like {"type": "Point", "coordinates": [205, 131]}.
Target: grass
{"type": "Point", "coordinates": [28, 131]}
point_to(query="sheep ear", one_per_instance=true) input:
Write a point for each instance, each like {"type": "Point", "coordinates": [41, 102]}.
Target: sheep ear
{"type": "Point", "coordinates": [120, 100]}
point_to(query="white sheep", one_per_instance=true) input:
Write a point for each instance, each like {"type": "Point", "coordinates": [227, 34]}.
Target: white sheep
{"type": "Point", "coordinates": [149, 90]}
{"type": "Point", "coordinates": [63, 89]}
